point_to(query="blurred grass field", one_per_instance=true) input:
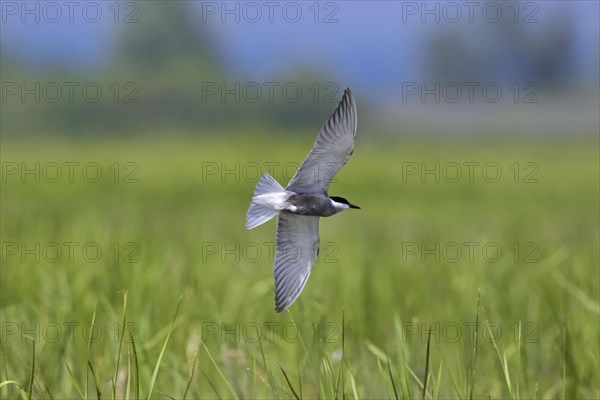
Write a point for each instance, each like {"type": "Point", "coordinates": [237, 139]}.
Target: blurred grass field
{"type": "Point", "coordinates": [359, 329]}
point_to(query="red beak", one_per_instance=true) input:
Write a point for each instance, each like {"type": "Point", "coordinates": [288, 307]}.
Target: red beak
{"type": "Point", "coordinates": [354, 206]}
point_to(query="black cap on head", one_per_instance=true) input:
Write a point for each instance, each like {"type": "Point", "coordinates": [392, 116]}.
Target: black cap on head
{"type": "Point", "coordinates": [339, 199]}
{"type": "Point", "coordinates": [343, 201]}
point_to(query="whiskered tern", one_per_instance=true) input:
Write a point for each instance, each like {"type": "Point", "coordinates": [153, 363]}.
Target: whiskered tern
{"type": "Point", "coordinates": [304, 200]}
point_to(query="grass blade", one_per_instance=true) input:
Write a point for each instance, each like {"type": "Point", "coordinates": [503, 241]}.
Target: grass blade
{"type": "Point", "coordinates": [406, 370]}
{"type": "Point", "coordinates": [438, 383]}
{"type": "Point", "coordinates": [300, 383]}
{"type": "Point", "coordinates": [427, 362]}
{"type": "Point", "coordinates": [564, 366]}
{"type": "Point", "coordinates": [503, 362]}
{"type": "Point", "coordinates": [519, 361]}
{"type": "Point", "coordinates": [211, 384]}
{"type": "Point", "coordinates": [415, 377]}
{"type": "Point", "coordinates": [456, 383]}
{"type": "Point", "coordinates": [269, 377]}
{"type": "Point", "coordinates": [162, 351]}
{"type": "Point", "coordinates": [308, 357]}
{"type": "Point", "coordinates": [392, 379]}
{"type": "Point", "coordinates": [377, 352]}
{"type": "Point", "coordinates": [74, 381]}
{"type": "Point", "coordinates": [4, 368]}
{"type": "Point", "coordinates": [340, 370]}
{"type": "Point", "coordinates": [471, 379]}
{"type": "Point", "coordinates": [187, 387]}
{"type": "Point", "coordinates": [15, 383]}
{"type": "Point", "coordinates": [31, 378]}
{"type": "Point", "coordinates": [128, 384]}
{"type": "Point", "coordinates": [353, 381]}
{"type": "Point", "coordinates": [98, 391]}
{"type": "Point", "coordinates": [328, 369]}
{"type": "Point", "coordinates": [229, 387]}
{"type": "Point", "coordinates": [137, 366]}
{"type": "Point", "coordinates": [89, 350]}
{"type": "Point", "coordinates": [289, 383]}
{"type": "Point", "coordinates": [124, 323]}
{"type": "Point", "coordinates": [588, 302]}
{"type": "Point", "coordinates": [254, 376]}
{"type": "Point", "coordinates": [46, 389]}
{"type": "Point", "coordinates": [299, 376]}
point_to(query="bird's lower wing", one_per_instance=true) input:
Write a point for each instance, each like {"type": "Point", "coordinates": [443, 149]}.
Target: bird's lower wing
{"type": "Point", "coordinates": [296, 253]}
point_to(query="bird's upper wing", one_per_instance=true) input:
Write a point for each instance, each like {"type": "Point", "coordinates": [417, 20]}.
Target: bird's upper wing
{"type": "Point", "coordinates": [333, 147]}
{"type": "Point", "coordinates": [295, 255]}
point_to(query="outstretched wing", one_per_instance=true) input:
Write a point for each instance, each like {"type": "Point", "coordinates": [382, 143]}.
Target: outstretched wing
{"type": "Point", "coordinates": [295, 255]}
{"type": "Point", "coordinates": [333, 147]}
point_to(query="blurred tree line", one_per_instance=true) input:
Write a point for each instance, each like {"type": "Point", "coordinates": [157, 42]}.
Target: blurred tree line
{"type": "Point", "coordinates": [527, 43]}
{"type": "Point", "coordinates": [165, 75]}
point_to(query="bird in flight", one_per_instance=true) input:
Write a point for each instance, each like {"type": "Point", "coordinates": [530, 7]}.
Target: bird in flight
{"type": "Point", "coordinates": [300, 205]}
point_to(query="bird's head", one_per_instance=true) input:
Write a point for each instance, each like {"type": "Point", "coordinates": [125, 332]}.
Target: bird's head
{"type": "Point", "coordinates": [342, 203]}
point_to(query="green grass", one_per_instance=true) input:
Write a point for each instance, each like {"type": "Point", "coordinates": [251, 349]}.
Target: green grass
{"type": "Point", "coordinates": [372, 322]}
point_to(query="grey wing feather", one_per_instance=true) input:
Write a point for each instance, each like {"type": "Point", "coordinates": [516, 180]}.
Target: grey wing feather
{"type": "Point", "coordinates": [332, 149]}
{"type": "Point", "coordinates": [296, 252]}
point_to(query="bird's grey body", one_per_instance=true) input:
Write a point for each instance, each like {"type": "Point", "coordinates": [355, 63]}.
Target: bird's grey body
{"type": "Point", "coordinates": [319, 205]}
{"type": "Point", "coordinates": [303, 201]}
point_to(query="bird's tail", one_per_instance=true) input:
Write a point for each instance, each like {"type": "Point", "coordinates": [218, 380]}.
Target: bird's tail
{"type": "Point", "coordinates": [257, 213]}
